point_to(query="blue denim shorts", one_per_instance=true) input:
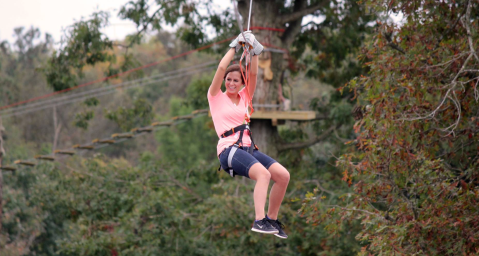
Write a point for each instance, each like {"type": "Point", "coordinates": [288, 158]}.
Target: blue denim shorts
{"type": "Point", "coordinates": [242, 160]}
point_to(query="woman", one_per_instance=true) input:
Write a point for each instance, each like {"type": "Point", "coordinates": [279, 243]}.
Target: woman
{"type": "Point", "coordinates": [228, 111]}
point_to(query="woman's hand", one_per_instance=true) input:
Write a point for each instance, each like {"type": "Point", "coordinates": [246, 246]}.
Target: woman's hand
{"type": "Point", "coordinates": [249, 38]}
{"type": "Point", "coordinates": [235, 44]}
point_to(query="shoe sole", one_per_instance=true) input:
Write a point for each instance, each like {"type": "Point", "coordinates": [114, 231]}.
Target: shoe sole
{"type": "Point", "coordinates": [282, 237]}
{"type": "Point", "coordinates": [265, 232]}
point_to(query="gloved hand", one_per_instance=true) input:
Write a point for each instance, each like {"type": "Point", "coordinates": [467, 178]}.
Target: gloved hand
{"type": "Point", "coordinates": [257, 48]}
{"type": "Point", "coordinates": [235, 44]}
{"type": "Point", "coordinates": [249, 38]}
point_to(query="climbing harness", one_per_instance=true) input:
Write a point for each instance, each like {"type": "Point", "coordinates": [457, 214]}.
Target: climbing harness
{"type": "Point", "coordinates": [249, 103]}
{"type": "Point", "coordinates": [237, 145]}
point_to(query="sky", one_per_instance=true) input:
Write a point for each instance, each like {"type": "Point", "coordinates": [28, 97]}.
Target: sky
{"type": "Point", "coordinates": [52, 16]}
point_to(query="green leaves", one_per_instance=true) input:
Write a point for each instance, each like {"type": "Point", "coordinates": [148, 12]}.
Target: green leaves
{"type": "Point", "coordinates": [84, 44]}
{"type": "Point", "coordinates": [140, 114]}
{"type": "Point", "coordinates": [82, 118]}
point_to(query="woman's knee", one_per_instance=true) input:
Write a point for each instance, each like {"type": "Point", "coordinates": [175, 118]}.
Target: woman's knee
{"type": "Point", "coordinates": [258, 172]}
{"type": "Point", "coordinates": [279, 174]}
{"type": "Point", "coordinates": [284, 177]}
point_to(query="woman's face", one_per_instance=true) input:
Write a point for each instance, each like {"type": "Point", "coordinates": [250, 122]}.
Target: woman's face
{"type": "Point", "coordinates": [233, 82]}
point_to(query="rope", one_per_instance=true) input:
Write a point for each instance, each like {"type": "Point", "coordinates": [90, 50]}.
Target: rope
{"type": "Point", "coordinates": [270, 29]}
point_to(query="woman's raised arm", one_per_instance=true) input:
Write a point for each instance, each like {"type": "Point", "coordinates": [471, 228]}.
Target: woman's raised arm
{"type": "Point", "coordinates": [215, 86]}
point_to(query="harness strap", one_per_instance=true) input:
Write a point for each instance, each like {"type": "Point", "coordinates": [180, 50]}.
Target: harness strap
{"type": "Point", "coordinates": [238, 144]}
{"type": "Point", "coordinates": [230, 159]}
{"type": "Point", "coordinates": [236, 129]}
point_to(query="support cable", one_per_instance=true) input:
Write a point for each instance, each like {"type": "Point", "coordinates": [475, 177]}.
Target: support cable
{"type": "Point", "coordinates": [76, 99]}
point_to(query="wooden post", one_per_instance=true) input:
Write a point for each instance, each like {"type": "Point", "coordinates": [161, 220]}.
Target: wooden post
{"type": "Point", "coordinates": [56, 127]}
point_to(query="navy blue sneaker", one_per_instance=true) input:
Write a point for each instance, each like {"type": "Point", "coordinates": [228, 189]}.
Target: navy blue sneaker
{"type": "Point", "coordinates": [279, 226]}
{"type": "Point", "coordinates": [264, 226]}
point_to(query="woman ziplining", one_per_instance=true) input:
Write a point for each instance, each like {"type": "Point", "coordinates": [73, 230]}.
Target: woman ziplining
{"type": "Point", "coordinates": [236, 150]}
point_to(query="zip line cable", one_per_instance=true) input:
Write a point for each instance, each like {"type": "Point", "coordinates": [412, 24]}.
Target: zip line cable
{"type": "Point", "coordinates": [92, 92]}
{"type": "Point", "coordinates": [250, 6]}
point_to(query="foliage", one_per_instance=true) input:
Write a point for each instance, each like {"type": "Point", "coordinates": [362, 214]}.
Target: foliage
{"type": "Point", "coordinates": [25, 54]}
{"type": "Point", "coordinates": [140, 114]}
{"type": "Point", "coordinates": [196, 91]}
{"type": "Point", "coordinates": [334, 43]}
{"type": "Point", "coordinates": [84, 45]}
{"type": "Point", "coordinates": [82, 118]}
{"type": "Point", "coordinates": [415, 169]}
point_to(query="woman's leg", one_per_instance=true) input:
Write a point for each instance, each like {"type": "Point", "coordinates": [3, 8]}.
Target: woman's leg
{"type": "Point", "coordinates": [280, 176]}
{"type": "Point", "coordinates": [262, 177]}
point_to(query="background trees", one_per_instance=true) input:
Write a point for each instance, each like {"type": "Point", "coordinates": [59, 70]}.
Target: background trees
{"type": "Point", "coordinates": [415, 170]}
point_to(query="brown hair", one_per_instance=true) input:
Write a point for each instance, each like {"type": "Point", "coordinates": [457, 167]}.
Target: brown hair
{"type": "Point", "coordinates": [233, 68]}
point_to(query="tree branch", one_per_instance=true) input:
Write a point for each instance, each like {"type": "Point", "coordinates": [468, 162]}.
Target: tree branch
{"type": "Point", "coordinates": [145, 26]}
{"type": "Point", "coordinates": [294, 16]}
{"type": "Point", "coordinates": [299, 145]}
{"type": "Point", "coordinates": [391, 44]}
{"type": "Point", "coordinates": [447, 31]}
{"type": "Point", "coordinates": [466, 23]}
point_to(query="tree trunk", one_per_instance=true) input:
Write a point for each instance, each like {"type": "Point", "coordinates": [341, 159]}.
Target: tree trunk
{"type": "Point", "coordinates": [266, 13]}
{"type": "Point", "coordinates": [2, 153]}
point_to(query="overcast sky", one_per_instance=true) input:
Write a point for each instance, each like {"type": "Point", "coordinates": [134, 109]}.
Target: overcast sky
{"type": "Point", "coordinates": [51, 16]}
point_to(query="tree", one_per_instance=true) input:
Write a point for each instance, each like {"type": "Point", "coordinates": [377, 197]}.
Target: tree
{"type": "Point", "coordinates": [415, 168]}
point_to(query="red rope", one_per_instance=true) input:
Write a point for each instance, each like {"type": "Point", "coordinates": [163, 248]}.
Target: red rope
{"type": "Point", "coordinates": [249, 99]}
{"type": "Point", "coordinates": [270, 29]}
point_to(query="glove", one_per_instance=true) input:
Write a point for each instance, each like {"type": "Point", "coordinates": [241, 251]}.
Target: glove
{"type": "Point", "coordinates": [235, 44]}
{"type": "Point", "coordinates": [257, 48]}
{"type": "Point", "coordinates": [251, 40]}
{"type": "Point", "coordinates": [246, 37]}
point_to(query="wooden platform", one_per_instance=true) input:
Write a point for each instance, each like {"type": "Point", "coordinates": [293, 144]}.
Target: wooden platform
{"type": "Point", "coordinates": [278, 117]}
{"type": "Point", "coordinates": [285, 115]}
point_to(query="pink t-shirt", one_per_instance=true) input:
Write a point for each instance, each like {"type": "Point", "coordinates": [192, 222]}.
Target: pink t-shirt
{"type": "Point", "coordinates": [227, 115]}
